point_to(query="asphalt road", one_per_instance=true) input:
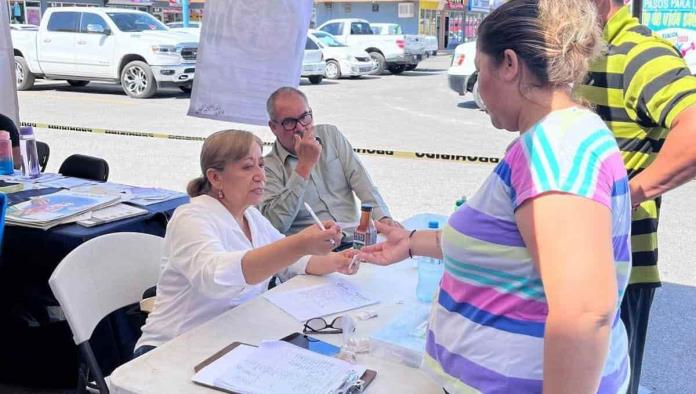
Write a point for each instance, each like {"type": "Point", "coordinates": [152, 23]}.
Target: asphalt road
{"type": "Point", "coordinates": [415, 111]}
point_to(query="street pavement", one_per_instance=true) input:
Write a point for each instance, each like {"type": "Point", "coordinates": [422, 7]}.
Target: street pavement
{"type": "Point", "coordinates": [415, 111]}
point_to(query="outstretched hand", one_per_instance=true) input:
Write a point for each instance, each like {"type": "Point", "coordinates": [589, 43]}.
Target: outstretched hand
{"type": "Point", "coordinates": [393, 250]}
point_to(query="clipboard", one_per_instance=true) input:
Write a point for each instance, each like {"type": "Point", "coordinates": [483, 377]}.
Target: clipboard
{"type": "Point", "coordinates": [367, 377]}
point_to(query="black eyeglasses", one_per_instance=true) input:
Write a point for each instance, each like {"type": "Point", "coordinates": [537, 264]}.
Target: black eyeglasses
{"type": "Point", "coordinates": [319, 326]}
{"type": "Point", "coordinates": [289, 124]}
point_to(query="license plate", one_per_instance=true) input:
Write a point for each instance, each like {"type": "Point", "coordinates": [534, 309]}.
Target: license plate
{"type": "Point", "coordinates": [365, 69]}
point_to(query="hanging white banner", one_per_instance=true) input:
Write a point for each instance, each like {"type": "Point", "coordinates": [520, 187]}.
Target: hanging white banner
{"type": "Point", "coordinates": [247, 50]}
{"type": "Point", "coordinates": [8, 87]}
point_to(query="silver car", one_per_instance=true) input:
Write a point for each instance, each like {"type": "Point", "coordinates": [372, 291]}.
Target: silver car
{"type": "Point", "coordinates": [342, 60]}
{"type": "Point", "coordinates": [313, 64]}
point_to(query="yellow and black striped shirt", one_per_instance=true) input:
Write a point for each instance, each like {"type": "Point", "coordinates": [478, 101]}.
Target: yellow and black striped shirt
{"type": "Point", "coordinates": [639, 87]}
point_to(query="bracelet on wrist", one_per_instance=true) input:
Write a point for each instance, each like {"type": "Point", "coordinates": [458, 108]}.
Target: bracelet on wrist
{"type": "Point", "coordinates": [409, 243]}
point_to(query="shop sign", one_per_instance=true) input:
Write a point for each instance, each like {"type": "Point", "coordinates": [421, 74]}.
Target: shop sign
{"type": "Point", "coordinates": [452, 5]}
{"type": "Point", "coordinates": [480, 5]}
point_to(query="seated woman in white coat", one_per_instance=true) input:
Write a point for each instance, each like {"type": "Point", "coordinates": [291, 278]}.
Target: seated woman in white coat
{"type": "Point", "coordinates": [220, 251]}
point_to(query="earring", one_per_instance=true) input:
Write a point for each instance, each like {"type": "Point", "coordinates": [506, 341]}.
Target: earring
{"type": "Point", "coordinates": [221, 195]}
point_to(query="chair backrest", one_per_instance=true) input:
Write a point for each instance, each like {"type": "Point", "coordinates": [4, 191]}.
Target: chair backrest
{"type": "Point", "coordinates": [43, 152]}
{"type": "Point", "coordinates": [85, 167]}
{"type": "Point", "coordinates": [104, 274]}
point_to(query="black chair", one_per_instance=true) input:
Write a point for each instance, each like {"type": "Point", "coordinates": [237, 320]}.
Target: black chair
{"type": "Point", "coordinates": [43, 152]}
{"type": "Point", "coordinates": [85, 167]}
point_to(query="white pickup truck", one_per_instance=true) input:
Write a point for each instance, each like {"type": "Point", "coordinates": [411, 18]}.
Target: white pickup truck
{"type": "Point", "coordinates": [395, 53]}
{"type": "Point", "coordinates": [82, 44]}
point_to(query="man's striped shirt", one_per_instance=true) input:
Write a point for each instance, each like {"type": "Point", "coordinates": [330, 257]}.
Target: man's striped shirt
{"type": "Point", "coordinates": [638, 88]}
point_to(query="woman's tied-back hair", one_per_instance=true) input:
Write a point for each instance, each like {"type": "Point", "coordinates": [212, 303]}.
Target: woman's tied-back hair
{"type": "Point", "coordinates": [555, 39]}
{"type": "Point", "coordinates": [220, 149]}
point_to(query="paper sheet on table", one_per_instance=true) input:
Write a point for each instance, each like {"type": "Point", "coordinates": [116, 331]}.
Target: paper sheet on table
{"type": "Point", "coordinates": [336, 296]}
{"type": "Point", "coordinates": [276, 367]}
{"type": "Point", "coordinates": [247, 50]}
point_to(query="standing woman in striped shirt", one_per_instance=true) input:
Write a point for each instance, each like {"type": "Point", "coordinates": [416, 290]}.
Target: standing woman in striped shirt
{"type": "Point", "coordinates": [536, 263]}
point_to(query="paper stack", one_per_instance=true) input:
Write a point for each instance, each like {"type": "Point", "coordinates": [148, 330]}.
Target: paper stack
{"type": "Point", "coordinates": [50, 210]}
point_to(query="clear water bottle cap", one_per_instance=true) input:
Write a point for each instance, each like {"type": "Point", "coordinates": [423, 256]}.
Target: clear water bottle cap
{"type": "Point", "coordinates": [4, 135]}
{"type": "Point", "coordinates": [433, 224]}
{"type": "Point", "coordinates": [28, 130]}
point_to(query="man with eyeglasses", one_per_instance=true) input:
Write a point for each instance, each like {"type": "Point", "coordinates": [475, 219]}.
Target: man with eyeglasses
{"type": "Point", "coordinates": [315, 165]}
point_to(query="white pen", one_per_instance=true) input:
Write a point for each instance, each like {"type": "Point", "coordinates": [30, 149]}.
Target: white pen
{"type": "Point", "coordinates": [353, 261]}
{"type": "Point", "coordinates": [316, 219]}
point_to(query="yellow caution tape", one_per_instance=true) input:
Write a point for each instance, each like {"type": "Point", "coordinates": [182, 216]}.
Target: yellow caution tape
{"type": "Point", "coordinates": [362, 151]}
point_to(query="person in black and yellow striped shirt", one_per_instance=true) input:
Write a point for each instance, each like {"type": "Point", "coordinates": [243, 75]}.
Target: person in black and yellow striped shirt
{"type": "Point", "coordinates": [643, 90]}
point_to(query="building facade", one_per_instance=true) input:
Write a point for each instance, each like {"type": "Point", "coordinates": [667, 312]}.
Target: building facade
{"type": "Point", "coordinates": [402, 12]}
{"type": "Point", "coordinates": [451, 21]}
{"type": "Point", "coordinates": [30, 11]}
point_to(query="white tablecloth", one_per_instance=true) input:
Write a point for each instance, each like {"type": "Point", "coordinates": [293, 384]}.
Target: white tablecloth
{"type": "Point", "coordinates": [169, 368]}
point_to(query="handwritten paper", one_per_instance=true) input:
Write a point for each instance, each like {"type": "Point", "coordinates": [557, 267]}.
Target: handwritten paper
{"type": "Point", "coordinates": [336, 296]}
{"type": "Point", "coordinates": [277, 367]}
{"type": "Point", "coordinates": [247, 50]}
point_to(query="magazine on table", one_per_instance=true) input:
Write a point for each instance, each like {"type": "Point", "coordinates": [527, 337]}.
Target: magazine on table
{"type": "Point", "coordinates": [50, 210]}
{"type": "Point", "coordinates": [142, 196]}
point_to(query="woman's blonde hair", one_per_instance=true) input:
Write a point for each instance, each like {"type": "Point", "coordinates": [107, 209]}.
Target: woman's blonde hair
{"type": "Point", "coordinates": [220, 149]}
{"type": "Point", "coordinates": [555, 39]}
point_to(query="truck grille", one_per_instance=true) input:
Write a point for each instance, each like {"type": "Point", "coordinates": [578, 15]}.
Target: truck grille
{"type": "Point", "coordinates": [189, 53]}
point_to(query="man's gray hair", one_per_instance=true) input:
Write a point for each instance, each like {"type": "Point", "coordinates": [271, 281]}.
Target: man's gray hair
{"type": "Point", "coordinates": [270, 103]}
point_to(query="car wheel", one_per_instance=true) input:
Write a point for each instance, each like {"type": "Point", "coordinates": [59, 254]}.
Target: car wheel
{"type": "Point", "coordinates": [477, 97]}
{"type": "Point", "coordinates": [381, 62]}
{"type": "Point", "coordinates": [333, 70]}
{"type": "Point", "coordinates": [397, 68]}
{"type": "Point", "coordinates": [316, 79]}
{"type": "Point", "coordinates": [137, 80]}
{"type": "Point", "coordinates": [410, 67]}
{"type": "Point", "coordinates": [77, 84]}
{"type": "Point", "coordinates": [24, 77]}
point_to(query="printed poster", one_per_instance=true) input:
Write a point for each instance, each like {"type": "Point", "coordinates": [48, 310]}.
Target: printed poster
{"type": "Point", "coordinates": [247, 50]}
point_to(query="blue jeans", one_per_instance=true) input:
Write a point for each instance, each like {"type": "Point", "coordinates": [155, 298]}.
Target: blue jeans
{"type": "Point", "coordinates": [142, 350]}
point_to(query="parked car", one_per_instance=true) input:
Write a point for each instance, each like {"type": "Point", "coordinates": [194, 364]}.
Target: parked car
{"type": "Point", "coordinates": [462, 73]}
{"type": "Point", "coordinates": [342, 60]}
{"type": "Point", "coordinates": [391, 52]}
{"type": "Point", "coordinates": [429, 42]}
{"type": "Point", "coordinates": [431, 45]}
{"type": "Point", "coordinates": [177, 25]}
{"type": "Point", "coordinates": [83, 44]}
{"type": "Point", "coordinates": [313, 64]}
{"type": "Point", "coordinates": [22, 26]}
{"type": "Point", "coordinates": [194, 28]}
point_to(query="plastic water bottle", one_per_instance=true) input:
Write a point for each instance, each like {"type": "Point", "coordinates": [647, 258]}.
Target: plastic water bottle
{"type": "Point", "coordinates": [30, 158]}
{"type": "Point", "coordinates": [430, 272]}
{"type": "Point", "coordinates": [6, 160]}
